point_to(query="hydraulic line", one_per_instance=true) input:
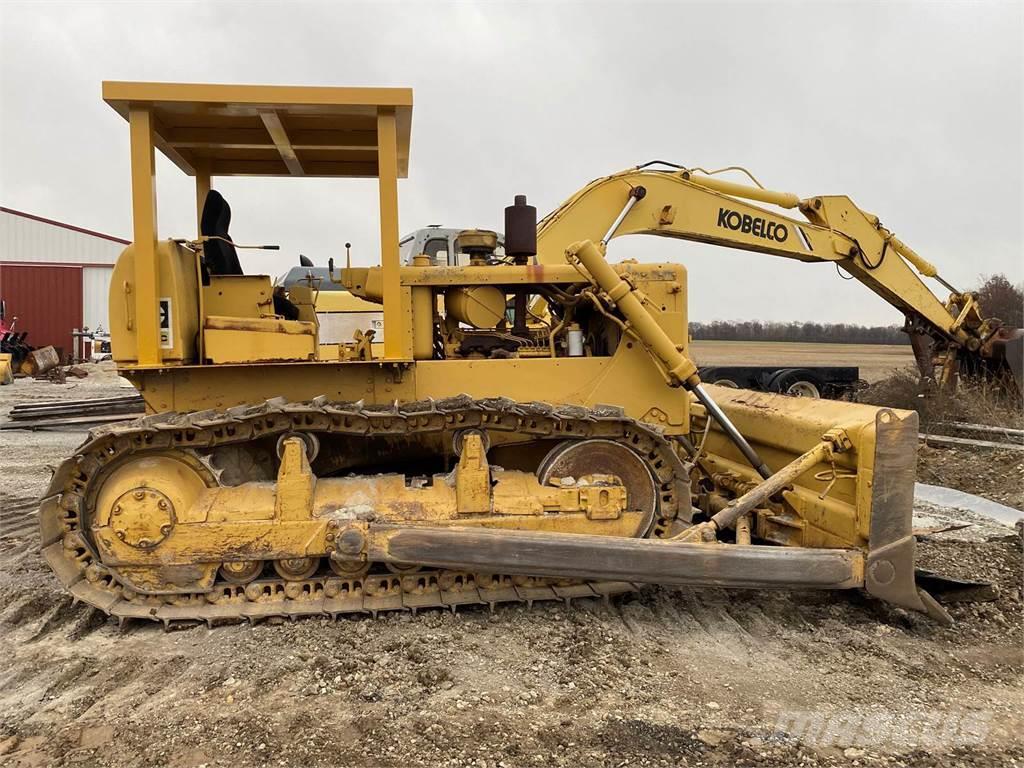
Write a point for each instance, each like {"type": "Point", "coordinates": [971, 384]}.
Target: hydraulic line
{"type": "Point", "coordinates": [635, 195]}
{"type": "Point", "coordinates": [680, 369]}
{"type": "Point", "coordinates": [730, 429]}
{"type": "Point", "coordinates": [764, 491]}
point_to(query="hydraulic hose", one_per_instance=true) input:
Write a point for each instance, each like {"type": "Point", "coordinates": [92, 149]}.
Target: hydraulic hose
{"type": "Point", "coordinates": [681, 370]}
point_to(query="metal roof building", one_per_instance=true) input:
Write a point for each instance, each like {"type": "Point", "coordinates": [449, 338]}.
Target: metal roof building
{"type": "Point", "coordinates": [54, 276]}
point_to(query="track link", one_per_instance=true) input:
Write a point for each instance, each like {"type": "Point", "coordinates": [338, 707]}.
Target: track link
{"type": "Point", "coordinates": [66, 507]}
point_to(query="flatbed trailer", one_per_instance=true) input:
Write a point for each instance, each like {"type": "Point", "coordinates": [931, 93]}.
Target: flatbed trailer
{"type": "Point", "coordinates": [831, 381]}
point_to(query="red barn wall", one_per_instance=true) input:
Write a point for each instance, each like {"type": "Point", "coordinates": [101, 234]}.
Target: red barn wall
{"type": "Point", "coordinates": [46, 299]}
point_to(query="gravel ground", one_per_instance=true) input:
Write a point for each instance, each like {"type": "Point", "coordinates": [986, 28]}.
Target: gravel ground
{"type": "Point", "coordinates": [996, 475]}
{"type": "Point", "coordinates": [665, 677]}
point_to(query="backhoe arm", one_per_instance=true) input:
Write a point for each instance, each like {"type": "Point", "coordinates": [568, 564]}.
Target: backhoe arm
{"type": "Point", "coordinates": [681, 204]}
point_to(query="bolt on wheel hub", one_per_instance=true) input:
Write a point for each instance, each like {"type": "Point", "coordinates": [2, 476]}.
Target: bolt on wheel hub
{"type": "Point", "coordinates": [142, 517]}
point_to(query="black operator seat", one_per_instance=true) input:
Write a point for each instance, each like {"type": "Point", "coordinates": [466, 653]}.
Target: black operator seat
{"type": "Point", "coordinates": [220, 256]}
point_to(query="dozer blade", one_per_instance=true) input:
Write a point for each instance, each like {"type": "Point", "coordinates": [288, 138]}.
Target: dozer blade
{"type": "Point", "coordinates": [890, 571]}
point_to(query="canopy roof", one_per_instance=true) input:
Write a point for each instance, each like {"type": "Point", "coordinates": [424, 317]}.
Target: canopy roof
{"type": "Point", "coordinates": [268, 130]}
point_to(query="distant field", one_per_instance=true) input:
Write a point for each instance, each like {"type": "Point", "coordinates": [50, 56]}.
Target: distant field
{"type": "Point", "coordinates": [876, 361]}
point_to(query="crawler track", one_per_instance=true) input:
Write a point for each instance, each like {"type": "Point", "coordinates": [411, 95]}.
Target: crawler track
{"type": "Point", "coordinates": [65, 510]}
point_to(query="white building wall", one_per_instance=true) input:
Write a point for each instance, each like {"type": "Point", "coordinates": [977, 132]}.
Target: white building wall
{"type": "Point", "coordinates": [95, 293]}
{"type": "Point", "coordinates": [27, 240]}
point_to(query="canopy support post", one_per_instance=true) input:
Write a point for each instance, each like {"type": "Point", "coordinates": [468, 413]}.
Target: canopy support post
{"type": "Point", "coordinates": [397, 316]}
{"type": "Point", "coordinates": [202, 190]}
{"type": "Point", "coordinates": [143, 167]}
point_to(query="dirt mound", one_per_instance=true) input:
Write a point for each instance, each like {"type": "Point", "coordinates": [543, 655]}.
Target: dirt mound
{"type": "Point", "coordinates": [974, 402]}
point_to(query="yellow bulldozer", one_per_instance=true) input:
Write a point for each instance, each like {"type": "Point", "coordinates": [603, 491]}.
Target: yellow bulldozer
{"type": "Point", "coordinates": [529, 427]}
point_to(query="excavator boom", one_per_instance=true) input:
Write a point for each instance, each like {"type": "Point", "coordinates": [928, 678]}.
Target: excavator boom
{"type": "Point", "coordinates": [681, 203]}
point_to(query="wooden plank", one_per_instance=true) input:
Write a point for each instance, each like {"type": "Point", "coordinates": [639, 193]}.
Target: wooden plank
{"type": "Point", "coordinates": [76, 420]}
{"type": "Point", "coordinates": [45, 405]}
{"type": "Point", "coordinates": [78, 410]}
{"type": "Point", "coordinates": [945, 441]}
{"type": "Point", "coordinates": [89, 401]}
{"type": "Point", "coordinates": [986, 429]}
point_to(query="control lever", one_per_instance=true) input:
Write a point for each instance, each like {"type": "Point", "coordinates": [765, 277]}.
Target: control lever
{"type": "Point", "coordinates": [348, 266]}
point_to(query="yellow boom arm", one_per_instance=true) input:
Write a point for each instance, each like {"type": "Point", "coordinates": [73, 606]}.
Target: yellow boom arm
{"type": "Point", "coordinates": [681, 204]}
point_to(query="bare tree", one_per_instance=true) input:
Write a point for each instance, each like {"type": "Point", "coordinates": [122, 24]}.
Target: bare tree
{"type": "Point", "coordinates": [1001, 298]}
{"type": "Point", "coordinates": [831, 333]}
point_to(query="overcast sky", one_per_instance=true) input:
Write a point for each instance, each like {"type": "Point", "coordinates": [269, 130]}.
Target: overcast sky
{"type": "Point", "coordinates": [914, 110]}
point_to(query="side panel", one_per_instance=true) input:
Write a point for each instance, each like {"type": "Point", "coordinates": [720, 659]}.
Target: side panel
{"type": "Point", "coordinates": [340, 327]}
{"type": "Point", "coordinates": [46, 299]}
{"type": "Point", "coordinates": [228, 345]}
{"type": "Point", "coordinates": [239, 296]}
{"type": "Point", "coordinates": [178, 293]}
{"type": "Point", "coordinates": [628, 379]}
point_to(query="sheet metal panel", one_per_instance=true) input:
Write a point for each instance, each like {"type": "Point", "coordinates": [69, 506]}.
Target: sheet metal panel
{"type": "Point", "coordinates": [95, 297]}
{"type": "Point", "coordinates": [340, 327]}
{"type": "Point", "coordinates": [24, 238]}
{"type": "Point", "coordinates": [46, 299]}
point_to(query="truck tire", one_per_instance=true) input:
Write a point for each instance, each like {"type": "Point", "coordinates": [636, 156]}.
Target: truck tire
{"type": "Point", "coordinates": [715, 376]}
{"type": "Point", "coordinates": [796, 382]}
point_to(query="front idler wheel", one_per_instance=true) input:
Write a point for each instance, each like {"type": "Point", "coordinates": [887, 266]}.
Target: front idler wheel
{"type": "Point", "coordinates": [572, 460]}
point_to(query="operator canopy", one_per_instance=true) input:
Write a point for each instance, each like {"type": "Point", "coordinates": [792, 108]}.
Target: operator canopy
{"type": "Point", "coordinates": [259, 130]}
{"type": "Point", "coordinates": [268, 130]}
